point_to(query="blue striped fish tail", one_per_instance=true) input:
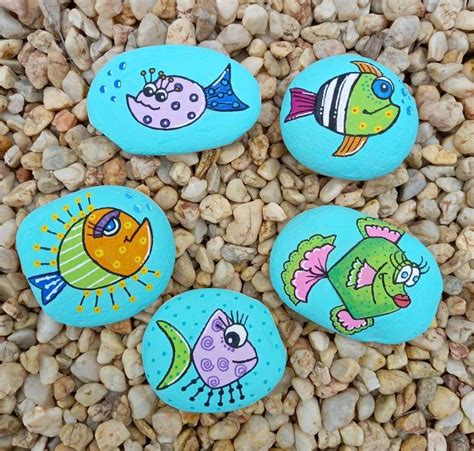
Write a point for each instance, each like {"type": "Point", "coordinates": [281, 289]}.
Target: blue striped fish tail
{"type": "Point", "coordinates": [50, 284]}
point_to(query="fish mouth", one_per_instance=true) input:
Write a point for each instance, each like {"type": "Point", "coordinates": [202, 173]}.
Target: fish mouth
{"type": "Point", "coordinates": [402, 300]}
{"type": "Point", "coordinates": [144, 224]}
{"type": "Point", "coordinates": [370, 113]}
{"type": "Point", "coordinates": [244, 361]}
{"type": "Point", "coordinates": [139, 102]}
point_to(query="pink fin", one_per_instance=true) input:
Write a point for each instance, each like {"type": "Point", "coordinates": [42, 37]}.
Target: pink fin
{"type": "Point", "coordinates": [303, 281]}
{"type": "Point", "coordinates": [345, 320]}
{"type": "Point", "coordinates": [303, 103]}
{"type": "Point", "coordinates": [313, 269]}
{"type": "Point", "coordinates": [375, 231]}
{"type": "Point", "coordinates": [366, 275]}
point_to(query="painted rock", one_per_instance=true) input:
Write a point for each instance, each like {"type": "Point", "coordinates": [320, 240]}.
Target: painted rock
{"type": "Point", "coordinates": [356, 275]}
{"type": "Point", "coordinates": [212, 350]}
{"type": "Point", "coordinates": [172, 99]}
{"type": "Point", "coordinates": [96, 256]}
{"type": "Point", "coordinates": [345, 112]}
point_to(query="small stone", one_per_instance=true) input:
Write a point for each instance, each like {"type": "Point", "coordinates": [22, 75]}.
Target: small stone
{"type": "Point", "coordinates": [111, 434]}
{"type": "Point", "coordinates": [444, 404]}
{"type": "Point", "coordinates": [345, 370]}
{"type": "Point", "coordinates": [214, 208]}
{"type": "Point", "coordinates": [255, 19]}
{"type": "Point", "coordinates": [392, 381]}
{"type": "Point", "coordinates": [44, 420]}
{"type": "Point", "coordinates": [113, 378]}
{"type": "Point", "coordinates": [90, 394]}
{"type": "Point", "coordinates": [142, 401]}
{"type": "Point", "coordinates": [76, 436]}
{"type": "Point", "coordinates": [309, 416]}
{"type": "Point", "coordinates": [338, 410]}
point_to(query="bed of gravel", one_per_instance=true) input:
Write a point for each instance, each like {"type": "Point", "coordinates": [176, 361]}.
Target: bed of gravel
{"type": "Point", "coordinates": [65, 388]}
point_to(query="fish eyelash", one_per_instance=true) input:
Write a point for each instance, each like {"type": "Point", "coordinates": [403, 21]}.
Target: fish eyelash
{"type": "Point", "coordinates": [242, 320]}
{"type": "Point", "coordinates": [423, 266]}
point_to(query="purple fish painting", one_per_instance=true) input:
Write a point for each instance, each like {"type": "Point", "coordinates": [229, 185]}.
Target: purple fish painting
{"type": "Point", "coordinates": [170, 102]}
{"type": "Point", "coordinates": [221, 356]}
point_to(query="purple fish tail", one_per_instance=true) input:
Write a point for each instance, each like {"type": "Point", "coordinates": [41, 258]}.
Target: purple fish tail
{"type": "Point", "coordinates": [303, 103]}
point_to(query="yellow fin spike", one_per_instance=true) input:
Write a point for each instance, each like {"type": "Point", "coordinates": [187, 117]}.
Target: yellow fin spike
{"type": "Point", "coordinates": [367, 68]}
{"type": "Point", "coordinates": [350, 145]}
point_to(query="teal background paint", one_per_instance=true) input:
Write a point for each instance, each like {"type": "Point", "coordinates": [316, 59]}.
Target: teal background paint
{"type": "Point", "coordinates": [188, 313]}
{"type": "Point", "coordinates": [63, 308]}
{"type": "Point", "coordinates": [313, 145]}
{"type": "Point", "coordinates": [212, 129]}
{"type": "Point", "coordinates": [396, 327]}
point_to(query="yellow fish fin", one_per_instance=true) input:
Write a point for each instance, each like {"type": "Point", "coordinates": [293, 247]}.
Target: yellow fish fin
{"type": "Point", "coordinates": [350, 146]}
{"type": "Point", "coordinates": [367, 68]}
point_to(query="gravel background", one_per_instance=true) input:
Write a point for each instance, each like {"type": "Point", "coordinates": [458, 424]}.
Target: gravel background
{"type": "Point", "coordinates": [66, 388]}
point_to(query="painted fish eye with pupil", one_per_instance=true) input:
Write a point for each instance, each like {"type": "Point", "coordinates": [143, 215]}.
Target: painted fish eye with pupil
{"type": "Point", "coordinates": [161, 95]}
{"type": "Point", "coordinates": [112, 227]}
{"type": "Point", "coordinates": [408, 275]}
{"type": "Point", "coordinates": [235, 336]}
{"type": "Point", "coordinates": [382, 87]}
{"type": "Point", "coordinates": [149, 90]}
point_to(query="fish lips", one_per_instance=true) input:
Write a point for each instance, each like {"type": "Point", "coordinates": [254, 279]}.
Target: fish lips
{"type": "Point", "coordinates": [402, 300]}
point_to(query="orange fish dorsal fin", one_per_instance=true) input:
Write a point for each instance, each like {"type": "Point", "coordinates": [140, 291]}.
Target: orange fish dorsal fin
{"type": "Point", "coordinates": [367, 68]}
{"type": "Point", "coordinates": [350, 146]}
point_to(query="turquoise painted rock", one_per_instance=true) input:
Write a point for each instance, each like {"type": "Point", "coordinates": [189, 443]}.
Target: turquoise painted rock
{"type": "Point", "coordinates": [212, 350]}
{"type": "Point", "coordinates": [172, 99]}
{"type": "Point", "coordinates": [356, 275]}
{"type": "Point", "coordinates": [342, 114]}
{"type": "Point", "coordinates": [96, 256]}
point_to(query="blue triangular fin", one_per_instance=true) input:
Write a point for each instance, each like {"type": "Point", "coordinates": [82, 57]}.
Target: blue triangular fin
{"type": "Point", "coordinates": [220, 95]}
{"type": "Point", "coordinates": [50, 284]}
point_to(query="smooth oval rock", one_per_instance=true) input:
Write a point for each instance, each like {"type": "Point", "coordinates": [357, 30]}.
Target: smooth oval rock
{"type": "Point", "coordinates": [96, 256]}
{"type": "Point", "coordinates": [172, 99]}
{"type": "Point", "coordinates": [212, 350]}
{"type": "Point", "coordinates": [349, 117]}
{"type": "Point", "coordinates": [356, 275]}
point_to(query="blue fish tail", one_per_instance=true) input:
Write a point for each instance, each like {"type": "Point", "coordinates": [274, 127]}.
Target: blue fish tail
{"type": "Point", "coordinates": [50, 284]}
{"type": "Point", "coordinates": [220, 95]}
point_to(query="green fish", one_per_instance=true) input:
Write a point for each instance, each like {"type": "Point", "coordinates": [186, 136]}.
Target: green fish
{"type": "Point", "coordinates": [356, 105]}
{"type": "Point", "coordinates": [371, 279]}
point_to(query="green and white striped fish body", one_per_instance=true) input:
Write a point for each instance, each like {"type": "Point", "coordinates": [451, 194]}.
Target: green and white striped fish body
{"type": "Point", "coordinates": [75, 265]}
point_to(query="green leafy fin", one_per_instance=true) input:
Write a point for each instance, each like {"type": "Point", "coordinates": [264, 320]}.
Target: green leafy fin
{"type": "Point", "coordinates": [181, 355]}
{"type": "Point", "coordinates": [294, 260]}
{"type": "Point", "coordinates": [354, 272]}
{"type": "Point", "coordinates": [375, 228]}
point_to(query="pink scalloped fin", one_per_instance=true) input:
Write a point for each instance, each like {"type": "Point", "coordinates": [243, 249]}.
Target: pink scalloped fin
{"type": "Point", "coordinates": [316, 259]}
{"type": "Point", "coordinates": [375, 231]}
{"type": "Point", "coordinates": [302, 103]}
{"type": "Point", "coordinates": [313, 268]}
{"type": "Point", "coordinates": [345, 320]}
{"type": "Point", "coordinates": [365, 276]}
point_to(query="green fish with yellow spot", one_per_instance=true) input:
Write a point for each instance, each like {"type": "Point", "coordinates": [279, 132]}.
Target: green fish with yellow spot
{"type": "Point", "coordinates": [356, 105]}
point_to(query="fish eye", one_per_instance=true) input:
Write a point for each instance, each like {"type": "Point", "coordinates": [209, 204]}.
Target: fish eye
{"type": "Point", "coordinates": [149, 89]}
{"type": "Point", "coordinates": [404, 274]}
{"type": "Point", "coordinates": [382, 87]}
{"type": "Point", "coordinates": [112, 227]}
{"type": "Point", "coordinates": [161, 95]}
{"type": "Point", "coordinates": [414, 278]}
{"type": "Point", "coordinates": [235, 336]}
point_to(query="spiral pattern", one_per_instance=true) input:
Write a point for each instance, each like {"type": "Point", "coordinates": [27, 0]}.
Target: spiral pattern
{"type": "Point", "coordinates": [223, 364]}
{"type": "Point", "coordinates": [213, 381]}
{"type": "Point", "coordinates": [217, 325]}
{"type": "Point", "coordinates": [240, 370]}
{"type": "Point", "coordinates": [207, 343]}
{"type": "Point", "coordinates": [206, 365]}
